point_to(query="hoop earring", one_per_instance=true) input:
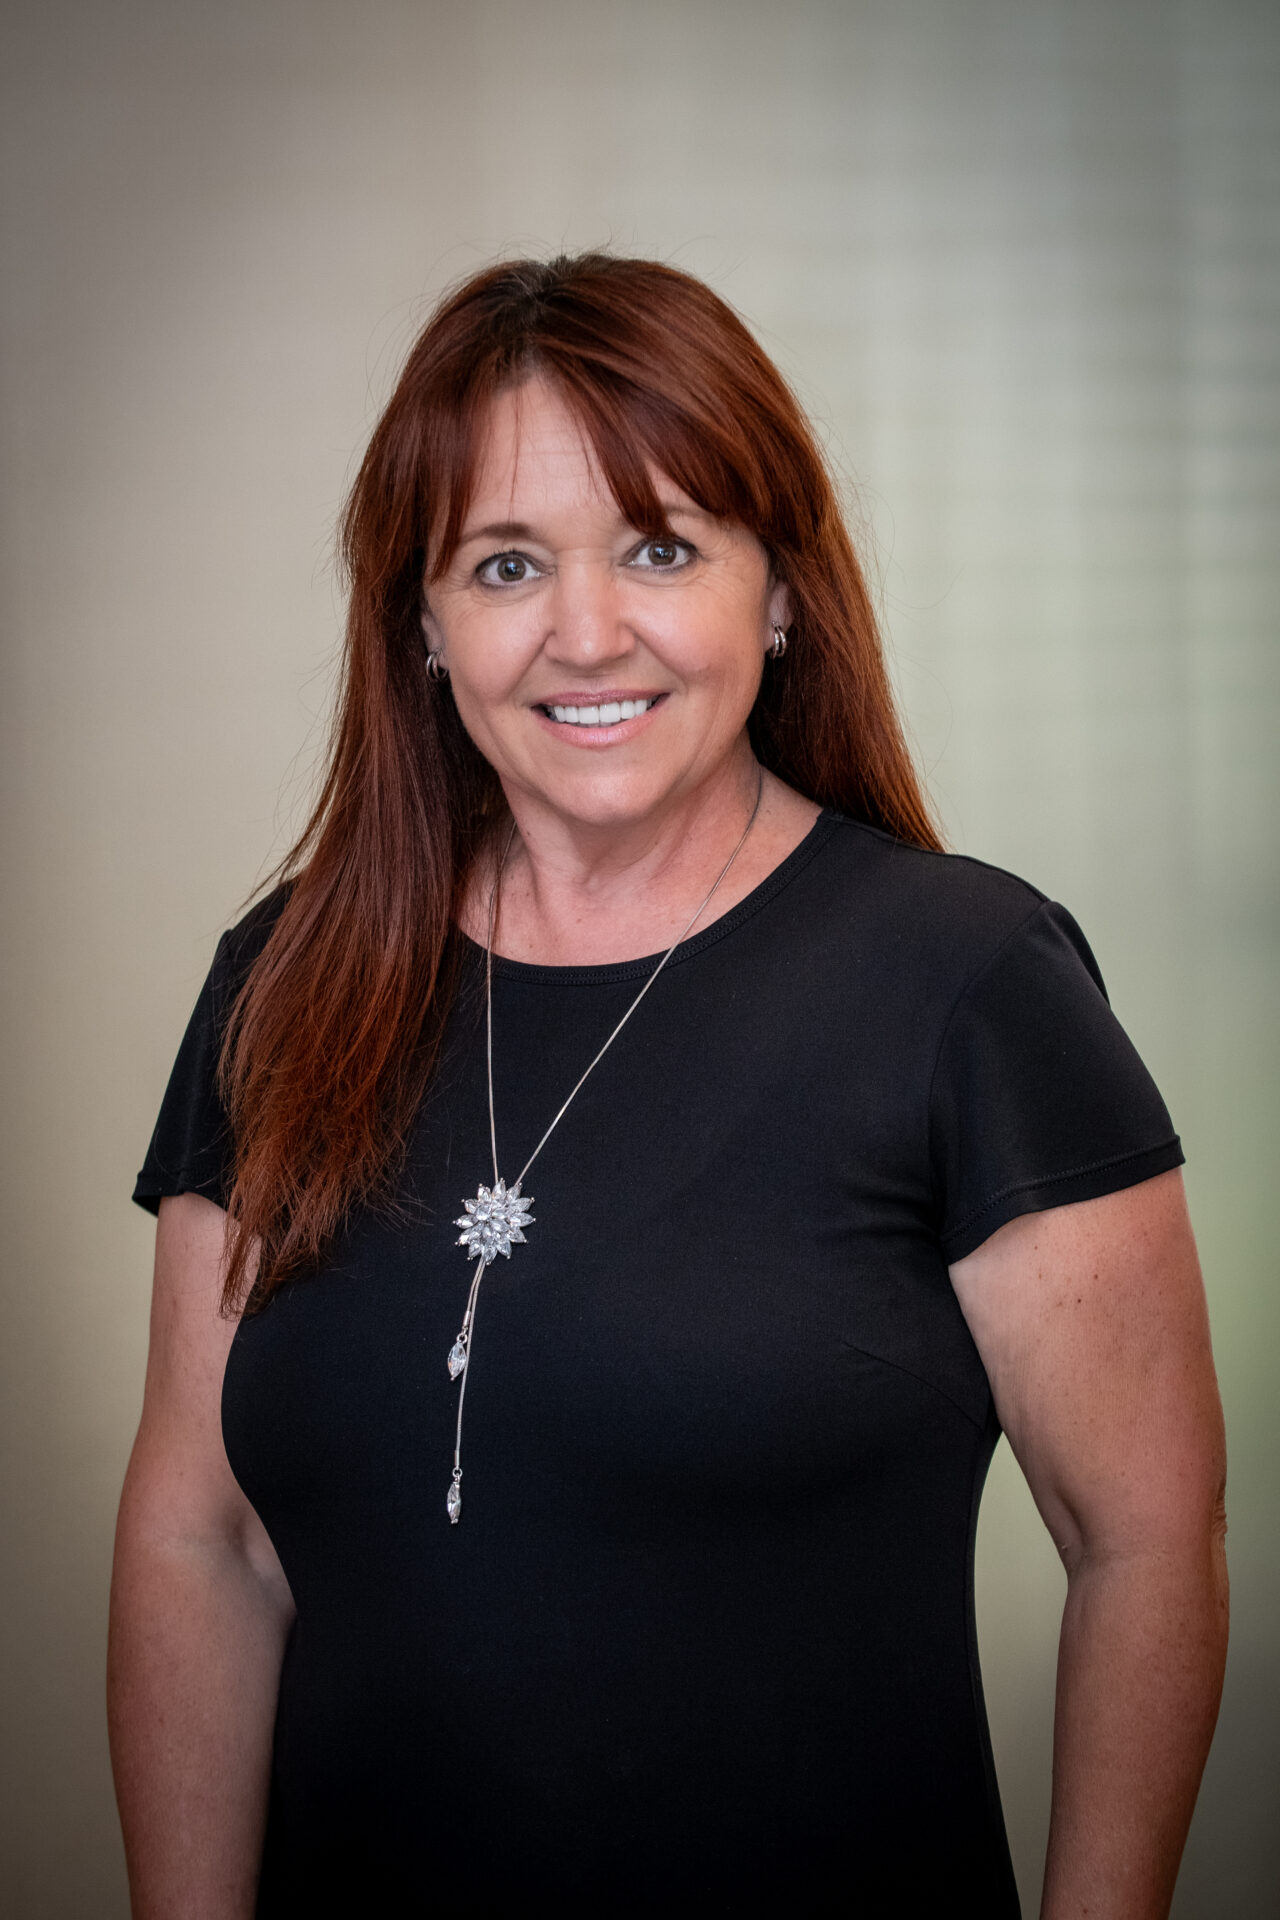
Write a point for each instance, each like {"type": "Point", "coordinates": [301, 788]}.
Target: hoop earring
{"type": "Point", "coordinates": [779, 646]}
{"type": "Point", "coordinates": [436, 667]}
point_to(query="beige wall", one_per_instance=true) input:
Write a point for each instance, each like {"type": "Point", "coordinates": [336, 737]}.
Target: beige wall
{"type": "Point", "coordinates": [1021, 260]}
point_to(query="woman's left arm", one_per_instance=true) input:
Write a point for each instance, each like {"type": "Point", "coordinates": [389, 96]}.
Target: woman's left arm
{"type": "Point", "coordinates": [1091, 1322]}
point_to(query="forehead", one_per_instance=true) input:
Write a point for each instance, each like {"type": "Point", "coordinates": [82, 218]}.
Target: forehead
{"type": "Point", "coordinates": [533, 448]}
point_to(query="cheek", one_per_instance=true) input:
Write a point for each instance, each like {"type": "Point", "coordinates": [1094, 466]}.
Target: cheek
{"type": "Point", "coordinates": [484, 669]}
{"type": "Point", "coordinates": [713, 647]}
{"type": "Point", "coordinates": [488, 654]}
{"type": "Point", "coordinates": [488, 717]}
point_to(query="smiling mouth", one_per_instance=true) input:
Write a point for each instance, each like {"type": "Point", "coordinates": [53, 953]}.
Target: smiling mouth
{"type": "Point", "coordinates": [607, 714]}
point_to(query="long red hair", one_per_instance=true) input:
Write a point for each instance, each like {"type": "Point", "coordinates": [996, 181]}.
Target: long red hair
{"type": "Point", "coordinates": [332, 1039]}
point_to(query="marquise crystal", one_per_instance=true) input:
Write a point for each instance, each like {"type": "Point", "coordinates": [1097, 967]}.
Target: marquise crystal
{"type": "Point", "coordinates": [457, 1357]}
{"type": "Point", "coordinates": [453, 1502]}
{"type": "Point", "coordinates": [492, 1222]}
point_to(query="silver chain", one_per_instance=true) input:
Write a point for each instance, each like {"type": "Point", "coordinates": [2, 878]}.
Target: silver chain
{"type": "Point", "coordinates": [460, 1357]}
{"type": "Point", "coordinates": [679, 939]}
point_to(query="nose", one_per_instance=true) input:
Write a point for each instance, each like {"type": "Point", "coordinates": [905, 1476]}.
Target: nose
{"type": "Point", "coordinates": [587, 626]}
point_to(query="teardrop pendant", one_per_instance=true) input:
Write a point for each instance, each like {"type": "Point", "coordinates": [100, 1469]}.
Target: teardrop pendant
{"type": "Point", "coordinates": [457, 1357]}
{"type": "Point", "coordinates": [453, 1503]}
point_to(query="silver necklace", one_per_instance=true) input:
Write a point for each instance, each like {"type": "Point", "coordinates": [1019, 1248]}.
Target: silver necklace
{"type": "Point", "coordinates": [495, 1220]}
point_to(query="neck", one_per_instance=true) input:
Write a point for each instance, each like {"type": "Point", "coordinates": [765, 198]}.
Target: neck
{"type": "Point", "coordinates": [575, 894]}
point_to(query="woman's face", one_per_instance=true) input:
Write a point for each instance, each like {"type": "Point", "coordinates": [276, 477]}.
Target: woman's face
{"type": "Point", "coordinates": [601, 674]}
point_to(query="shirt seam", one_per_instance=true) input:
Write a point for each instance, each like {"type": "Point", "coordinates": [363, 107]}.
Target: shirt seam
{"type": "Point", "coordinates": [855, 1346]}
{"type": "Point", "coordinates": [157, 1182]}
{"type": "Point", "coordinates": [1053, 1180]}
{"type": "Point", "coordinates": [184, 1172]}
{"type": "Point", "coordinates": [963, 994]}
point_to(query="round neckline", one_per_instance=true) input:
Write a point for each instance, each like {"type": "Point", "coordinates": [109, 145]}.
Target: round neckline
{"type": "Point", "coordinates": [750, 904]}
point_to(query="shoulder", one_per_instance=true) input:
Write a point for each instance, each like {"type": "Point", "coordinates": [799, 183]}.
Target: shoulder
{"type": "Point", "coordinates": [938, 908]}
{"type": "Point", "coordinates": [243, 942]}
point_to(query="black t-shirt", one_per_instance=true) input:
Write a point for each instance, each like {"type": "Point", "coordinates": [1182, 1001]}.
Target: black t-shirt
{"type": "Point", "coordinates": [705, 1630]}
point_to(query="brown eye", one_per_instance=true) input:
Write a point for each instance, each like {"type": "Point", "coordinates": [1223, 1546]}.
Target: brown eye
{"type": "Point", "coordinates": [663, 555]}
{"type": "Point", "coordinates": [505, 570]}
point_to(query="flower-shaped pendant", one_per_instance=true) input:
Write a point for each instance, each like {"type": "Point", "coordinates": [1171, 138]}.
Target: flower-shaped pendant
{"type": "Point", "coordinates": [490, 1226]}
{"type": "Point", "coordinates": [492, 1222]}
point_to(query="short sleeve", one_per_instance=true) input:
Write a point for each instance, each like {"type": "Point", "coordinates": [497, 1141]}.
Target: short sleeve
{"type": "Point", "coordinates": [1039, 1097]}
{"type": "Point", "coordinates": [191, 1148]}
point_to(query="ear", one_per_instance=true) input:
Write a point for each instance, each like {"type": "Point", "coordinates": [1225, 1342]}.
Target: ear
{"type": "Point", "coordinates": [780, 605]}
{"type": "Point", "coordinates": [430, 627]}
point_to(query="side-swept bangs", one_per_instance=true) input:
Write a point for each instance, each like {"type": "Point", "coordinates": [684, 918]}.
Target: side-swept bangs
{"type": "Point", "coordinates": [668, 385]}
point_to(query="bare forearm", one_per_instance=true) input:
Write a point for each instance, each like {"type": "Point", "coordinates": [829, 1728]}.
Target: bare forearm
{"type": "Point", "coordinates": [193, 1671]}
{"type": "Point", "coordinates": [1139, 1678]}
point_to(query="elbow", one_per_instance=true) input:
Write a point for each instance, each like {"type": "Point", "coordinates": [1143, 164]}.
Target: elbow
{"type": "Point", "coordinates": [1218, 1552]}
{"type": "Point", "coordinates": [1173, 1530]}
{"type": "Point", "coordinates": [190, 1544]}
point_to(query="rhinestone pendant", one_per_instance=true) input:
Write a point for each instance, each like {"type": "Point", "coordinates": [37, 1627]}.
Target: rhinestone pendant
{"type": "Point", "coordinates": [491, 1222]}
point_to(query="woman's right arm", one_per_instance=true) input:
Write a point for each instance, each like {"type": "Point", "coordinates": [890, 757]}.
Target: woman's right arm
{"type": "Point", "coordinates": [200, 1610]}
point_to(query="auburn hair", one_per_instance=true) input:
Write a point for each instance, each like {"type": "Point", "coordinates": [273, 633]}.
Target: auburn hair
{"type": "Point", "coordinates": [333, 1035]}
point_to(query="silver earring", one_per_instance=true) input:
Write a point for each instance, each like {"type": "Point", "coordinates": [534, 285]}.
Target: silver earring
{"type": "Point", "coordinates": [779, 646]}
{"type": "Point", "coordinates": [435, 664]}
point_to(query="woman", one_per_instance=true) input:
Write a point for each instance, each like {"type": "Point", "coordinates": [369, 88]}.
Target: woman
{"type": "Point", "coordinates": [623, 1064]}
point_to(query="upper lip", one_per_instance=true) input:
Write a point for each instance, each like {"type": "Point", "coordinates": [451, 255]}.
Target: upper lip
{"type": "Point", "coordinates": [605, 697]}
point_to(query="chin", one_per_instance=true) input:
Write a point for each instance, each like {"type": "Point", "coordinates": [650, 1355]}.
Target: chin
{"type": "Point", "coordinates": [617, 801]}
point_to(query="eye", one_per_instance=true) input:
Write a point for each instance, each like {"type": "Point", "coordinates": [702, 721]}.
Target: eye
{"type": "Point", "coordinates": [665, 554]}
{"type": "Point", "coordinates": [506, 570]}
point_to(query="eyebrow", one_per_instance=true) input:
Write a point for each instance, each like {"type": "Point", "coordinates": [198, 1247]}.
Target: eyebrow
{"type": "Point", "coordinates": [498, 530]}
{"type": "Point", "coordinates": [521, 529]}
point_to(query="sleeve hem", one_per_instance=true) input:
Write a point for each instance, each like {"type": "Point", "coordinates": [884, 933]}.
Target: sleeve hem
{"type": "Point", "coordinates": [148, 1192]}
{"type": "Point", "coordinates": [1089, 1182]}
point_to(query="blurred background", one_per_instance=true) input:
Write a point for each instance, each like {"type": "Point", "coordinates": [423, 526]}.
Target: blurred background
{"type": "Point", "coordinates": [1021, 259]}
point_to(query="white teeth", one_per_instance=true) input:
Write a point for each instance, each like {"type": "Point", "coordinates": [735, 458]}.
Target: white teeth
{"type": "Point", "coordinates": [607, 715]}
